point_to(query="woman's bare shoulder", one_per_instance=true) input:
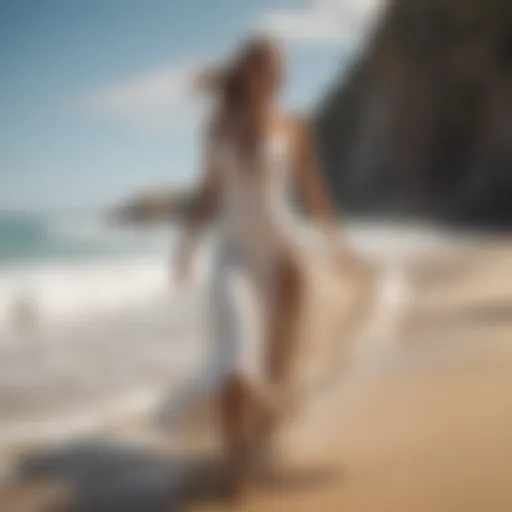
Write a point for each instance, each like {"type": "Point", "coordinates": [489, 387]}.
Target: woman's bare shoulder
{"type": "Point", "coordinates": [296, 127]}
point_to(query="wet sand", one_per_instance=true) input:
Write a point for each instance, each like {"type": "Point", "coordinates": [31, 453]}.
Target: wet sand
{"type": "Point", "coordinates": [423, 426]}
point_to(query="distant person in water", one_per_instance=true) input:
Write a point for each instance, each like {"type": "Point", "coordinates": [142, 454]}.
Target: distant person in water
{"type": "Point", "coordinates": [253, 154]}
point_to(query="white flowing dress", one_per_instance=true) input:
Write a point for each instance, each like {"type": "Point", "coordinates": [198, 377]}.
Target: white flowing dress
{"type": "Point", "coordinates": [257, 225]}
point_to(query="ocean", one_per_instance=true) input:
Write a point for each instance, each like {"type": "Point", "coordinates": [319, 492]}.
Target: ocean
{"type": "Point", "coordinates": [67, 266]}
{"type": "Point", "coordinates": [89, 315]}
{"type": "Point", "coordinates": [71, 264]}
{"type": "Point", "coordinates": [34, 238]}
{"type": "Point", "coordinates": [107, 324]}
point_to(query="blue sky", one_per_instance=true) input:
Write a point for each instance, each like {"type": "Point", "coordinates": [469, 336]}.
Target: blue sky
{"type": "Point", "coordinates": [94, 96]}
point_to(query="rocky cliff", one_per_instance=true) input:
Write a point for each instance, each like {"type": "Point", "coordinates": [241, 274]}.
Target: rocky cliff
{"type": "Point", "coordinates": [421, 126]}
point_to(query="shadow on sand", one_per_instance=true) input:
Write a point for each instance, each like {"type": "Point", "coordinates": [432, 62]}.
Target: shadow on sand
{"type": "Point", "coordinates": [105, 475]}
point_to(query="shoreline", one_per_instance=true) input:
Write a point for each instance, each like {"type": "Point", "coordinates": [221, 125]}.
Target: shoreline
{"type": "Point", "coordinates": [392, 422]}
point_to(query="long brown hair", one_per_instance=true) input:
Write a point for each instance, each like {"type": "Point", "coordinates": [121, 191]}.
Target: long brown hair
{"type": "Point", "coordinates": [245, 90]}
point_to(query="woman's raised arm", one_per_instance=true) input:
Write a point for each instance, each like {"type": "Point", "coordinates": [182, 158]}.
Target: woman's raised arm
{"type": "Point", "coordinates": [201, 211]}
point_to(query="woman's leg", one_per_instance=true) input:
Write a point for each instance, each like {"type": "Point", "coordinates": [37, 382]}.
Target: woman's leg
{"type": "Point", "coordinates": [285, 304]}
{"type": "Point", "coordinates": [283, 321]}
{"type": "Point", "coordinates": [239, 416]}
{"type": "Point", "coordinates": [248, 419]}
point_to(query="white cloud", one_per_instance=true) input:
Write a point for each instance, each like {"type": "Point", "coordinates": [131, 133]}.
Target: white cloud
{"type": "Point", "coordinates": [153, 97]}
{"type": "Point", "coordinates": [163, 98]}
{"type": "Point", "coordinates": [321, 21]}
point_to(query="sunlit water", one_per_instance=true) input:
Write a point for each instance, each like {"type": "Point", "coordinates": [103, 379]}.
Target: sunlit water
{"type": "Point", "coordinates": [81, 327]}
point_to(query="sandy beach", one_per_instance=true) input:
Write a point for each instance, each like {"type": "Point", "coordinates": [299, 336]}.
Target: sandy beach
{"type": "Point", "coordinates": [423, 424]}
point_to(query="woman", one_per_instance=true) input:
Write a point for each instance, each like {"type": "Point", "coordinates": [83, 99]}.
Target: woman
{"type": "Point", "coordinates": [253, 154]}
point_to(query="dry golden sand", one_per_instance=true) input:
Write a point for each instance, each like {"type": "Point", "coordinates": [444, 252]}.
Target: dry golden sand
{"type": "Point", "coordinates": [430, 442]}
{"type": "Point", "coordinates": [430, 428]}
{"type": "Point", "coordinates": [427, 428]}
